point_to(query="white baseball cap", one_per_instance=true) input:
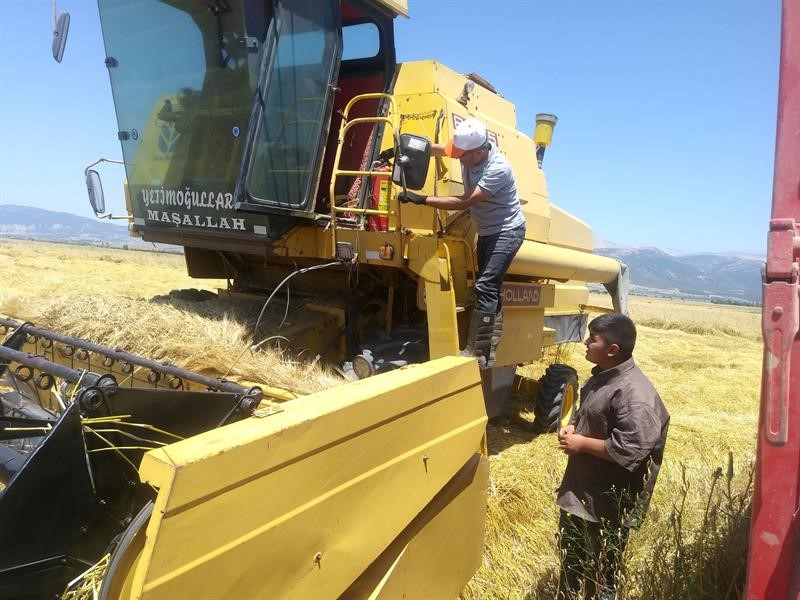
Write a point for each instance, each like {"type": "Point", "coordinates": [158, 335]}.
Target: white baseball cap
{"type": "Point", "coordinates": [469, 134]}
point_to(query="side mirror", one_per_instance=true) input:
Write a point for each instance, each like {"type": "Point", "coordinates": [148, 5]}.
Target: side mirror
{"type": "Point", "coordinates": [60, 30]}
{"type": "Point", "coordinates": [95, 188]}
{"type": "Point", "coordinates": [411, 161]}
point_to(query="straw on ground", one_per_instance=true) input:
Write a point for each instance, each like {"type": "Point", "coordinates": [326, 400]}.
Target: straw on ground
{"type": "Point", "coordinates": [704, 359]}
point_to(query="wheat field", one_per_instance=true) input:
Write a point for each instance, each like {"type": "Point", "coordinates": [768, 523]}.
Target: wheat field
{"type": "Point", "coordinates": [120, 298]}
{"type": "Point", "coordinates": [704, 360]}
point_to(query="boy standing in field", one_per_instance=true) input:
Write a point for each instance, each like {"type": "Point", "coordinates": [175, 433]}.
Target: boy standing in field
{"type": "Point", "coordinates": [615, 448]}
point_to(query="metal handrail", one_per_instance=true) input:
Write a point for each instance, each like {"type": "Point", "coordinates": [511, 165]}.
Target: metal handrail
{"type": "Point", "coordinates": [365, 211]}
{"type": "Point", "coordinates": [344, 127]}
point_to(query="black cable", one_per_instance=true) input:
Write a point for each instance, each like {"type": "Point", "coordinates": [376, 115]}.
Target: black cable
{"type": "Point", "coordinates": [285, 312]}
{"type": "Point", "coordinates": [285, 279]}
{"type": "Point", "coordinates": [288, 298]}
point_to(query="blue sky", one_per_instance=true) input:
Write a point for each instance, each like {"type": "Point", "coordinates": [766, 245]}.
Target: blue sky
{"type": "Point", "coordinates": [666, 108]}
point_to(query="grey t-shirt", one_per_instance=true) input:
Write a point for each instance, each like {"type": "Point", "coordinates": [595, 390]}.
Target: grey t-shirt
{"type": "Point", "coordinates": [501, 212]}
{"type": "Point", "coordinates": [618, 405]}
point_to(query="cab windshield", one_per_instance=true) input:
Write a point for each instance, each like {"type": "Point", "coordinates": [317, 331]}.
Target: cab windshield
{"type": "Point", "coordinates": [183, 75]}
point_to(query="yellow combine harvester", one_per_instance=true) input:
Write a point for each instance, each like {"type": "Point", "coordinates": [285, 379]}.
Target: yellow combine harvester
{"type": "Point", "coordinates": [270, 139]}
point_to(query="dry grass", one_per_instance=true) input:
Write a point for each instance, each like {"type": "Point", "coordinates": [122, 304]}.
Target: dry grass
{"type": "Point", "coordinates": [38, 270]}
{"type": "Point", "coordinates": [120, 298]}
{"type": "Point", "coordinates": [704, 360]}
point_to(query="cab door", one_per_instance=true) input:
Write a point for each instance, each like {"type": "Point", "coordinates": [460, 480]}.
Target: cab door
{"type": "Point", "coordinates": [292, 110]}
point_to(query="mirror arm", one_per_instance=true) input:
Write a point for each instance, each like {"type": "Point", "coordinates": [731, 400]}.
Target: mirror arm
{"type": "Point", "coordinates": [115, 217]}
{"type": "Point", "coordinates": [110, 216]}
{"type": "Point", "coordinates": [100, 160]}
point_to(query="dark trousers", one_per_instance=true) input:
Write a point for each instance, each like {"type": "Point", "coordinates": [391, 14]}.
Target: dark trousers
{"type": "Point", "coordinates": [590, 557]}
{"type": "Point", "coordinates": [495, 253]}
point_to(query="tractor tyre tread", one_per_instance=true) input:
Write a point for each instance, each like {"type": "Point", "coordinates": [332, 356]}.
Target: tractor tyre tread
{"type": "Point", "coordinates": [547, 409]}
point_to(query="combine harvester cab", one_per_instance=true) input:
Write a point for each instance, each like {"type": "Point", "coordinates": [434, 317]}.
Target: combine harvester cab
{"type": "Point", "coordinates": [149, 481]}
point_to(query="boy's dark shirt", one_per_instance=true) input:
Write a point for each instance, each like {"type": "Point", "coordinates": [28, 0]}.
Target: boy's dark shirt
{"type": "Point", "coordinates": [618, 405]}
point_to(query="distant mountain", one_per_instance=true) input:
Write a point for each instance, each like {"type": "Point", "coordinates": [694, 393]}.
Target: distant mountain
{"type": "Point", "coordinates": [28, 222]}
{"type": "Point", "coordinates": [699, 275]}
{"type": "Point", "coordinates": [654, 272]}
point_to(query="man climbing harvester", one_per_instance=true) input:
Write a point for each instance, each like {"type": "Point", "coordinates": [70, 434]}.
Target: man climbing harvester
{"type": "Point", "coordinates": [490, 194]}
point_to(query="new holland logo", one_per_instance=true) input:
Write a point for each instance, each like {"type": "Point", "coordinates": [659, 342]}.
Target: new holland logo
{"type": "Point", "coordinates": [168, 138]}
{"type": "Point", "coordinates": [521, 294]}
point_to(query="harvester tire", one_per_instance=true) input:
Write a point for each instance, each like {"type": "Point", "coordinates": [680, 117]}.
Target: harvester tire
{"type": "Point", "coordinates": [557, 398]}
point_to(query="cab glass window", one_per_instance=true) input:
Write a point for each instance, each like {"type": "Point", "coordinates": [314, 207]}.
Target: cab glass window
{"type": "Point", "coordinates": [291, 126]}
{"type": "Point", "coordinates": [360, 40]}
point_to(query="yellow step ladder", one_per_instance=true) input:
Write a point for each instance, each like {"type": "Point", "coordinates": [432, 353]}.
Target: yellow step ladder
{"type": "Point", "coordinates": [392, 119]}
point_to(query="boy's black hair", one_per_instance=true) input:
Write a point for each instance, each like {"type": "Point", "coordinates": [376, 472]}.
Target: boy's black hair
{"type": "Point", "coordinates": [616, 329]}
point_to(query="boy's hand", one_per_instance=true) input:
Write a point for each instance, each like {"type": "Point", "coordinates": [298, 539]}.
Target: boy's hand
{"type": "Point", "coordinates": [564, 431]}
{"type": "Point", "coordinates": [570, 443]}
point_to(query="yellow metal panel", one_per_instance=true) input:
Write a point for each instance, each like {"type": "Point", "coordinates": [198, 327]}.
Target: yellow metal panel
{"type": "Point", "coordinates": [420, 77]}
{"type": "Point", "coordinates": [299, 504]}
{"type": "Point", "coordinates": [462, 263]}
{"type": "Point", "coordinates": [569, 231]}
{"type": "Point", "coordinates": [422, 253]}
{"type": "Point", "coordinates": [302, 241]}
{"type": "Point", "coordinates": [419, 115]}
{"type": "Point", "coordinates": [311, 241]}
{"type": "Point", "coordinates": [368, 245]}
{"type": "Point", "coordinates": [442, 321]}
{"type": "Point", "coordinates": [417, 572]}
{"type": "Point", "coordinates": [426, 85]}
{"type": "Point", "coordinates": [521, 341]}
{"type": "Point", "coordinates": [425, 258]}
{"type": "Point", "coordinates": [597, 309]}
{"type": "Point", "coordinates": [544, 261]}
{"type": "Point", "coordinates": [536, 212]}
{"type": "Point", "coordinates": [398, 7]}
{"type": "Point", "coordinates": [569, 297]}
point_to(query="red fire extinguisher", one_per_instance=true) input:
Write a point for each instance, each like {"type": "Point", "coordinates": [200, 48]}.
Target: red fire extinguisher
{"type": "Point", "coordinates": [381, 189]}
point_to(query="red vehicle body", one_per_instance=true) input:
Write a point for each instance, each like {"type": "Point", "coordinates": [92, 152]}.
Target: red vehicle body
{"type": "Point", "coordinates": [774, 561]}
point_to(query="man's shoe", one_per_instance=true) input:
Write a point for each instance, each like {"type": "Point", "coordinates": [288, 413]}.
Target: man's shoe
{"type": "Point", "coordinates": [496, 333]}
{"type": "Point", "coordinates": [479, 337]}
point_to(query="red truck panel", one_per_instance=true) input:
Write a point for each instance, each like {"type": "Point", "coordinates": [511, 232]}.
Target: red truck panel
{"type": "Point", "coordinates": [774, 561]}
